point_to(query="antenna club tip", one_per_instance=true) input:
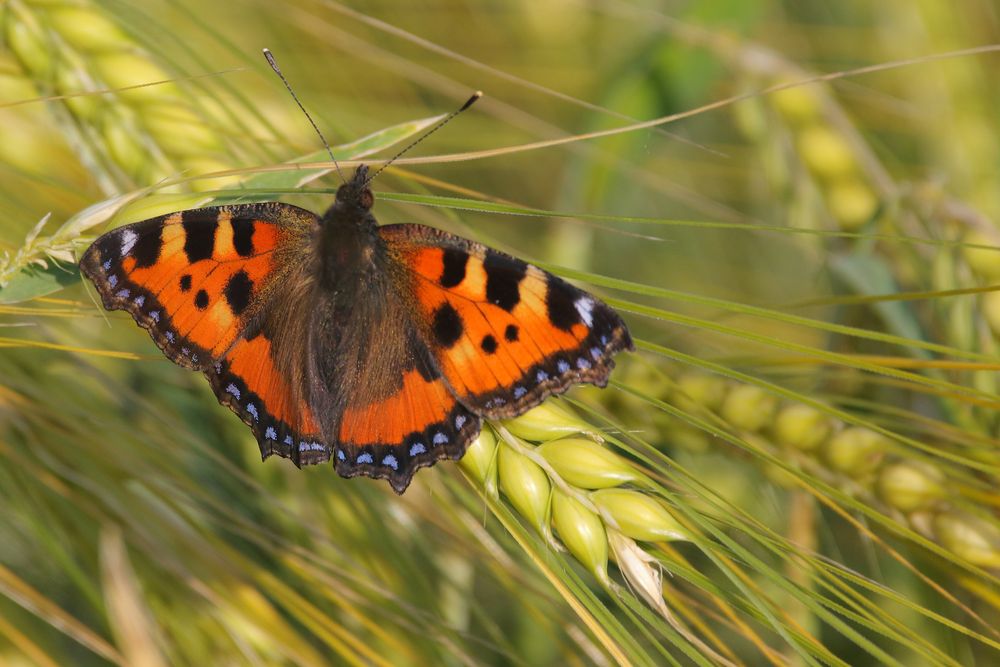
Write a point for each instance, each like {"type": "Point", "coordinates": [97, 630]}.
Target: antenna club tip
{"type": "Point", "coordinates": [265, 50]}
{"type": "Point", "coordinates": [472, 100]}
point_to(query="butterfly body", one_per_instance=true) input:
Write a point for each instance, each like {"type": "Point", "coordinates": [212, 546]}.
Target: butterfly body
{"type": "Point", "coordinates": [379, 347]}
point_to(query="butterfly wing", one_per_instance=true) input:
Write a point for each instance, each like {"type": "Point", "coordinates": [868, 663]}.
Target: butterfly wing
{"type": "Point", "coordinates": [504, 334]}
{"type": "Point", "coordinates": [400, 416]}
{"type": "Point", "coordinates": [199, 281]}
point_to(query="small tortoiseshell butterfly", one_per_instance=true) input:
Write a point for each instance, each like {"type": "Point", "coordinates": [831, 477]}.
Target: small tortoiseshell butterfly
{"type": "Point", "coordinates": [380, 347]}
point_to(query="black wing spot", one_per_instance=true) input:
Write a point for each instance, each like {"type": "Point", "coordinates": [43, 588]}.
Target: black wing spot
{"type": "Point", "coordinates": [454, 267]}
{"type": "Point", "coordinates": [503, 277]}
{"type": "Point", "coordinates": [511, 333]}
{"type": "Point", "coordinates": [201, 299]}
{"type": "Point", "coordinates": [238, 291]}
{"type": "Point", "coordinates": [147, 247]}
{"type": "Point", "coordinates": [489, 344]}
{"type": "Point", "coordinates": [559, 299]}
{"type": "Point", "coordinates": [186, 282]}
{"type": "Point", "coordinates": [447, 325]}
{"type": "Point", "coordinates": [199, 236]}
{"type": "Point", "coordinates": [243, 237]}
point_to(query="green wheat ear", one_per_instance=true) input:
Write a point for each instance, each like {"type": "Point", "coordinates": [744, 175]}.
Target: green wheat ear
{"type": "Point", "coordinates": [128, 138]}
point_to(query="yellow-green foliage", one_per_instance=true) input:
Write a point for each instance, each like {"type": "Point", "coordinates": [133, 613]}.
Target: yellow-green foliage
{"type": "Point", "coordinates": [798, 466]}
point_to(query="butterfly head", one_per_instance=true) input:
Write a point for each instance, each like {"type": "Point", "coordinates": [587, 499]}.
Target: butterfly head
{"type": "Point", "coordinates": [355, 196]}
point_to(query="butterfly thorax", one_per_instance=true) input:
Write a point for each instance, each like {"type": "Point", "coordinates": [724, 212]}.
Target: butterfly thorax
{"type": "Point", "coordinates": [349, 247]}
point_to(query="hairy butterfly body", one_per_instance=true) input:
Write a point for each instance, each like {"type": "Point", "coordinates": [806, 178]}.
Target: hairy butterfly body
{"type": "Point", "coordinates": [379, 347]}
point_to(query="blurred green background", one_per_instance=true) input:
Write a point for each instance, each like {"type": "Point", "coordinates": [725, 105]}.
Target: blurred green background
{"type": "Point", "coordinates": [808, 269]}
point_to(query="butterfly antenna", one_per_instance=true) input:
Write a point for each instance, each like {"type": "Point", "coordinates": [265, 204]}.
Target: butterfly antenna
{"type": "Point", "coordinates": [277, 70]}
{"type": "Point", "coordinates": [444, 121]}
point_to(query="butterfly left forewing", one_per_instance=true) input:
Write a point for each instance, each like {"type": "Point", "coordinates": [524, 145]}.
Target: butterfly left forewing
{"type": "Point", "coordinates": [204, 282]}
{"type": "Point", "coordinates": [505, 334]}
{"type": "Point", "coordinates": [195, 278]}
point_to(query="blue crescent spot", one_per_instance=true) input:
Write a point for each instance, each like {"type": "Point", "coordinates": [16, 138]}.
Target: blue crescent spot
{"type": "Point", "coordinates": [288, 440]}
{"type": "Point", "coordinates": [139, 300]}
{"type": "Point", "coordinates": [232, 389]}
{"type": "Point", "coordinates": [390, 461]}
{"type": "Point", "coordinates": [519, 391]}
{"type": "Point", "coordinates": [340, 454]}
{"type": "Point", "coordinates": [112, 280]}
{"type": "Point", "coordinates": [170, 336]}
{"type": "Point", "coordinates": [252, 409]}
{"type": "Point", "coordinates": [365, 458]}
{"type": "Point", "coordinates": [155, 315]}
{"type": "Point", "coordinates": [582, 364]}
{"type": "Point", "coordinates": [417, 448]}
{"type": "Point", "coordinates": [440, 438]}
{"type": "Point", "coordinates": [604, 340]}
{"type": "Point", "coordinates": [270, 433]}
{"type": "Point", "coordinates": [107, 265]}
{"type": "Point", "coordinates": [562, 366]}
{"type": "Point", "coordinates": [185, 351]}
{"type": "Point", "coordinates": [459, 422]}
{"type": "Point", "coordinates": [541, 376]}
{"type": "Point", "coordinates": [122, 294]}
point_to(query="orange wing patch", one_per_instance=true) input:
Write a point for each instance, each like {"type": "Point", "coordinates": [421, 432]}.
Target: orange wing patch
{"type": "Point", "coordinates": [191, 278]}
{"type": "Point", "coordinates": [414, 426]}
{"type": "Point", "coordinates": [249, 383]}
{"type": "Point", "coordinates": [504, 333]}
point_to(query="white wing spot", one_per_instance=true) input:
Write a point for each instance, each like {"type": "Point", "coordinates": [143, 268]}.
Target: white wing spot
{"type": "Point", "coordinates": [585, 306]}
{"type": "Point", "coordinates": [128, 241]}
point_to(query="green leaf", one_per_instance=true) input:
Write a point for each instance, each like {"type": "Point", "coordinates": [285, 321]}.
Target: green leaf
{"type": "Point", "coordinates": [32, 282]}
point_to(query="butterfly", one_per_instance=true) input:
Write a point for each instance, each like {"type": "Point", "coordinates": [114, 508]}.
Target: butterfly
{"type": "Point", "coordinates": [380, 347]}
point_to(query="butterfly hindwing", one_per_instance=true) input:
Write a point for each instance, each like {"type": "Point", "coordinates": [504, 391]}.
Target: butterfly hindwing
{"type": "Point", "coordinates": [398, 415]}
{"type": "Point", "coordinates": [504, 334]}
{"type": "Point", "coordinates": [249, 382]}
